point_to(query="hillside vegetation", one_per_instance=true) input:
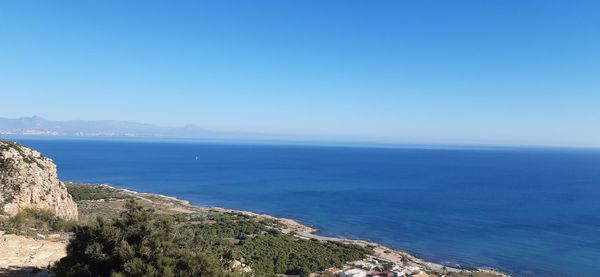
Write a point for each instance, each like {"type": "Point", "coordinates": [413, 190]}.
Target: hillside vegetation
{"type": "Point", "coordinates": [140, 241]}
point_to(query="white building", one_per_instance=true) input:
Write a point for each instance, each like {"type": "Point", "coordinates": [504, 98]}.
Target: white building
{"type": "Point", "coordinates": [400, 271]}
{"type": "Point", "coordinates": [355, 272]}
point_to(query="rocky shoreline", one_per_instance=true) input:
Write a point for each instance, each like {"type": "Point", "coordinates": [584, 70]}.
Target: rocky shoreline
{"type": "Point", "coordinates": [299, 230]}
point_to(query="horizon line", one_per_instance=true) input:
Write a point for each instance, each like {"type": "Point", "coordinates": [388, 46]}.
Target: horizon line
{"type": "Point", "coordinates": [302, 142]}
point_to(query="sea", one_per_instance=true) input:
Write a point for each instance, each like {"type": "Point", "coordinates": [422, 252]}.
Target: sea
{"type": "Point", "coordinates": [526, 211]}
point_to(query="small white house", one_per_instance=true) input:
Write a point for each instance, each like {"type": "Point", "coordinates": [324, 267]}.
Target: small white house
{"type": "Point", "coordinates": [400, 271]}
{"type": "Point", "coordinates": [355, 272]}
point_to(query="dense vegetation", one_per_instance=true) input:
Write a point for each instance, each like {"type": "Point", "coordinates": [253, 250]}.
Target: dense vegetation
{"type": "Point", "coordinates": [138, 243]}
{"type": "Point", "coordinates": [266, 250]}
{"type": "Point", "coordinates": [284, 254]}
{"type": "Point", "coordinates": [87, 192]}
{"type": "Point", "coordinates": [142, 243]}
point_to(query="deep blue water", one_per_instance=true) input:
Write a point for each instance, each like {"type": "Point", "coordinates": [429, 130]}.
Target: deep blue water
{"type": "Point", "coordinates": [532, 212]}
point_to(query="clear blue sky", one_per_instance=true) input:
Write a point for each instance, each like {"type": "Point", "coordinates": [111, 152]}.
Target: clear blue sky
{"type": "Point", "coordinates": [517, 72]}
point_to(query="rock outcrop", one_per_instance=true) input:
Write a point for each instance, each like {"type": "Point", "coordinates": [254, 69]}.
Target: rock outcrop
{"type": "Point", "coordinates": [29, 180]}
{"type": "Point", "coordinates": [20, 252]}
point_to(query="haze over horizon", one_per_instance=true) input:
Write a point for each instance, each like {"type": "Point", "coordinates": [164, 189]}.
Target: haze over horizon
{"type": "Point", "coordinates": [495, 72]}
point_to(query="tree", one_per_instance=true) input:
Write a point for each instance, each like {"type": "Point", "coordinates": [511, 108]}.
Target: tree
{"type": "Point", "coordinates": [137, 243]}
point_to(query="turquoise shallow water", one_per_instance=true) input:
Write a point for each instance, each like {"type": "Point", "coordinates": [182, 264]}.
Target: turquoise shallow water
{"type": "Point", "coordinates": [531, 212]}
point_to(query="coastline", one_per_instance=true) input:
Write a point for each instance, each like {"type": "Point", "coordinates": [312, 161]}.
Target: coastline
{"type": "Point", "coordinates": [302, 231]}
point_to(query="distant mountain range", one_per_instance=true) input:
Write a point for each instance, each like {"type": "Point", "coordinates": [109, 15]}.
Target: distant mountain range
{"type": "Point", "coordinates": [36, 125]}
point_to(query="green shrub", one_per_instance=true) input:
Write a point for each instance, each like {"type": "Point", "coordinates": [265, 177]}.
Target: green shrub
{"type": "Point", "coordinates": [42, 220]}
{"type": "Point", "coordinates": [137, 243]}
{"type": "Point", "coordinates": [269, 254]}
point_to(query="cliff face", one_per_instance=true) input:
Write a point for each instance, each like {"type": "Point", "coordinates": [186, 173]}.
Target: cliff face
{"type": "Point", "coordinates": [29, 180]}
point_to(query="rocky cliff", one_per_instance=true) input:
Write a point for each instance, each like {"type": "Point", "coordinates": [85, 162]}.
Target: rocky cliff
{"type": "Point", "coordinates": [29, 180]}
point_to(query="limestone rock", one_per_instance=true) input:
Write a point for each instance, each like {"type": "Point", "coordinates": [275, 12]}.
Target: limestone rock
{"type": "Point", "coordinates": [29, 180]}
{"type": "Point", "coordinates": [23, 252]}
